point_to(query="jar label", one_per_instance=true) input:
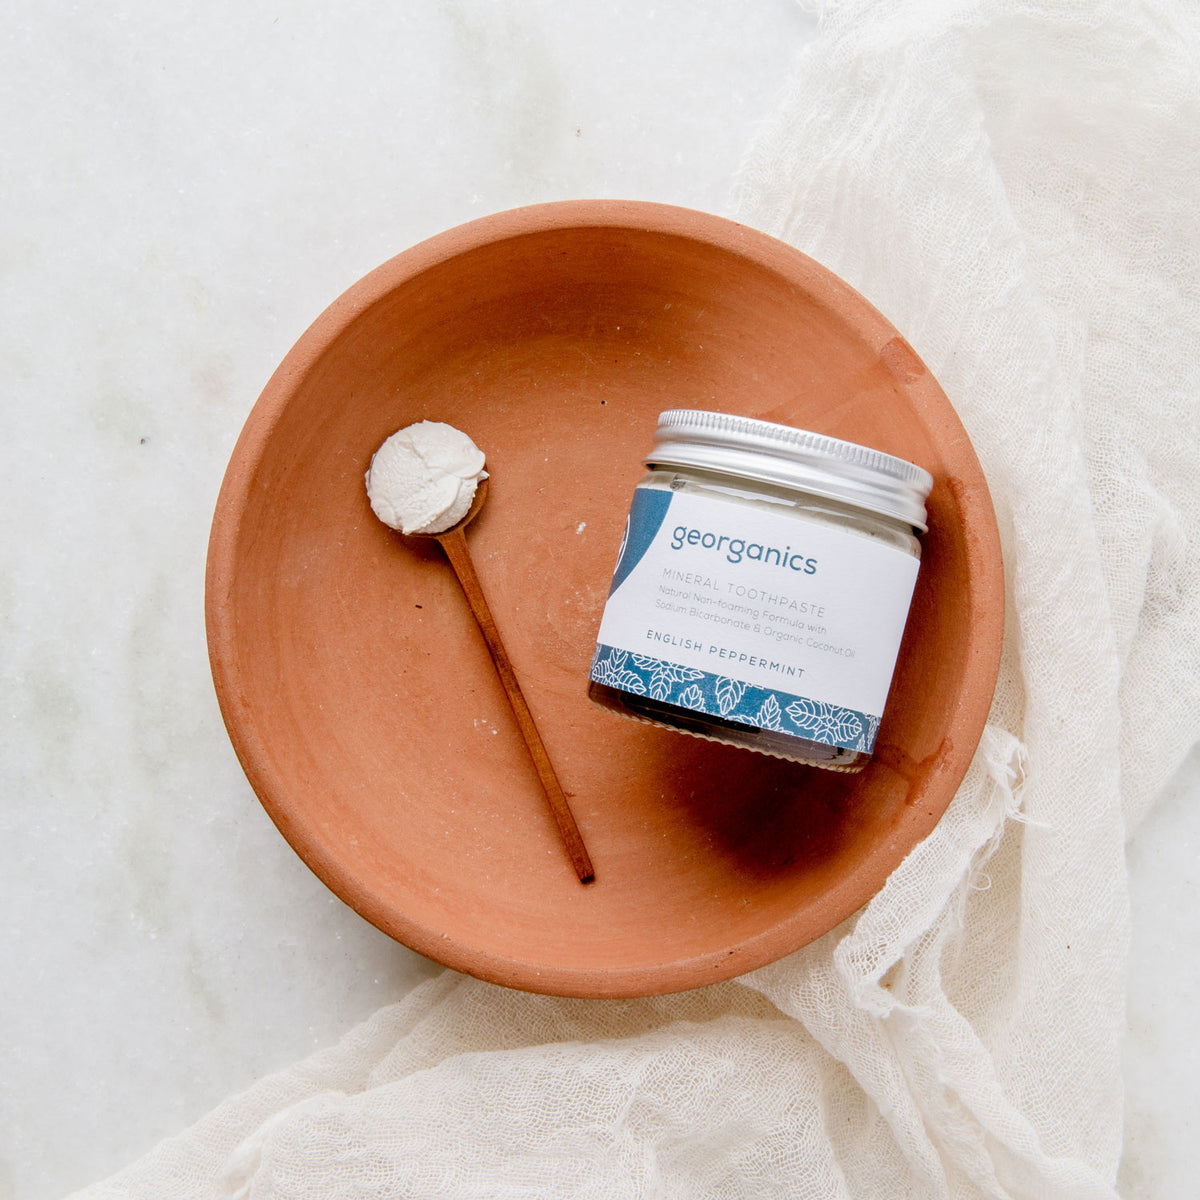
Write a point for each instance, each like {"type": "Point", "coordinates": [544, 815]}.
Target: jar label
{"type": "Point", "coordinates": [764, 618]}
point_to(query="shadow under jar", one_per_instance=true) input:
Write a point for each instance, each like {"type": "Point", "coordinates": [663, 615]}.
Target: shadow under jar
{"type": "Point", "coordinates": [762, 588]}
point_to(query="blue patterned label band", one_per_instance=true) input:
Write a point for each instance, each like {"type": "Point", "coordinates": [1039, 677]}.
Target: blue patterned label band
{"type": "Point", "coordinates": [734, 700]}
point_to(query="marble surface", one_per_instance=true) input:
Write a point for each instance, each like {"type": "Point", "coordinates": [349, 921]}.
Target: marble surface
{"type": "Point", "coordinates": [184, 189]}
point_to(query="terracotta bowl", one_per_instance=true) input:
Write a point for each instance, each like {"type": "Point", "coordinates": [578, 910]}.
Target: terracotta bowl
{"type": "Point", "coordinates": [358, 692]}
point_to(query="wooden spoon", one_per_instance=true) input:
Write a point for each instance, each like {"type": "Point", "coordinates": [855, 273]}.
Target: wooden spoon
{"type": "Point", "coordinates": [454, 543]}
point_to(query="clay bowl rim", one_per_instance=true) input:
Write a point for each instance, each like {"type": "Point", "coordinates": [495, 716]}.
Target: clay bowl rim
{"type": "Point", "coordinates": [982, 551]}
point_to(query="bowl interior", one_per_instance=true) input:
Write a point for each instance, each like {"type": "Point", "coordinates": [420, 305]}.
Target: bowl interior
{"type": "Point", "coordinates": [360, 696]}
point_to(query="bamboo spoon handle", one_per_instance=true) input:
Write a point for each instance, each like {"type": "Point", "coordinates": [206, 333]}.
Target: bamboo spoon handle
{"type": "Point", "coordinates": [454, 542]}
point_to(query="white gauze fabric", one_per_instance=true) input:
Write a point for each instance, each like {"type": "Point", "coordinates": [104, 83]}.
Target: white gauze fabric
{"type": "Point", "coordinates": [1014, 186]}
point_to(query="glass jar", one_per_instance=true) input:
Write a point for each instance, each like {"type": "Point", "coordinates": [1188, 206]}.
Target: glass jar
{"type": "Point", "coordinates": [762, 588]}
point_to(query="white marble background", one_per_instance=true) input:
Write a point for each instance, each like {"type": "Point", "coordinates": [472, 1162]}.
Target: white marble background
{"type": "Point", "coordinates": [182, 189]}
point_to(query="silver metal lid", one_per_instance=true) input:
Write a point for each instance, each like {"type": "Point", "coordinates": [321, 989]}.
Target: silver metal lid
{"type": "Point", "coordinates": [793, 458]}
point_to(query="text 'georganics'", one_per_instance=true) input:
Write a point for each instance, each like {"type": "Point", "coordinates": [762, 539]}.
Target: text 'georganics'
{"type": "Point", "coordinates": [737, 550]}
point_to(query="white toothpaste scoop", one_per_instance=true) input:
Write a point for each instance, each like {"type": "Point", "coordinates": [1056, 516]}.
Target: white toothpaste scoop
{"type": "Point", "coordinates": [424, 477]}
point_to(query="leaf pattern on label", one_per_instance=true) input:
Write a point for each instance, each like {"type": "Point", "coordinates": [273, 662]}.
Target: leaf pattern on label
{"type": "Point", "coordinates": [824, 722]}
{"type": "Point", "coordinates": [770, 715]}
{"type": "Point", "coordinates": [611, 671]}
{"type": "Point", "coordinates": [627, 681]}
{"type": "Point", "coordinates": [729, 692]}
{"type": "Point", "coordinates": [733, 699]}
{"type": "Point", "coordinates": [661, 676]}
{"type": "Point", "coordinates": [870, 729]}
